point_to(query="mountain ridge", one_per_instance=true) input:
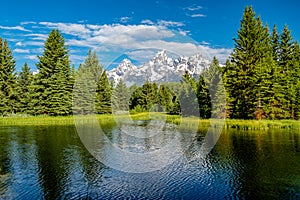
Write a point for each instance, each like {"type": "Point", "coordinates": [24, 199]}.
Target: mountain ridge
{"type": "Point", "coordinates": [160, 68]}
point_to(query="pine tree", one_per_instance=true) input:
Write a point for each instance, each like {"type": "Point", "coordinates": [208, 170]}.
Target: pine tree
{"type": "Point", "coordinates": [187, 97]}
{"type": "Point", "coordinates": [53, 89]}
{"type": "Point", "coordinates": [24, 83]}
{"type": "Point", "coordinates": [216, 99]}
{"type": "Point", "coordinates": [275, 43]}
{"type": "Point", "coordinates": [203, 97]}
{"type": "Point", "coordinates": [165, 98]}
{"type": "Point", "coordinates": [87, 79]}
{"type": "Point", "coordinates": [121, 97]}
{"type": "Point", "coordinates": [288, 62]}
{"type": "Point", "coordinates": [7, 80]}
{"type": "Point", "coordinates": [251, 61]}
{"type": "Point", "coordinates": [144, 98]}
{"type": "Point", "coordinates": [103, 95]}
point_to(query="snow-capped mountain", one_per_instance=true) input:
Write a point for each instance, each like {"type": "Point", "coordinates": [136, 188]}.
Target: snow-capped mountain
{"type": "Point", "coordinates": [160, 68]}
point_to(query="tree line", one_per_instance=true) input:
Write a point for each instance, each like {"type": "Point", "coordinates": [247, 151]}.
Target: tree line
{"type": "Point", "coordinates": [259, 80]}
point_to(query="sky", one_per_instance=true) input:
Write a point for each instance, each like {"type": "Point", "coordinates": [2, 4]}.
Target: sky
{"type": "Point", "coordinates": [135, 29]}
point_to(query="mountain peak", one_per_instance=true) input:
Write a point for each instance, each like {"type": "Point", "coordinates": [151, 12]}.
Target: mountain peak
{"type": "Point", "coordinates": [160, 68]}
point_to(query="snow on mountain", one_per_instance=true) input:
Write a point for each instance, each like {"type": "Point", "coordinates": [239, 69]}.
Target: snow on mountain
{"type": "Point", "coordinates": [160, 68]}
{"type": "Point", "coordinates": [121, 70]}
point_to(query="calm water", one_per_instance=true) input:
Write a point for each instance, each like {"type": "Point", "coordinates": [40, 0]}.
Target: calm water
{"type": "Point", "coordinates": [50, 162]}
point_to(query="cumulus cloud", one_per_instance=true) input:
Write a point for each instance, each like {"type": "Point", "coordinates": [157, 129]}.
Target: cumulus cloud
{"type": "Point", "coordinates": [68, 28]}
{"type": "Point", "coordinates": [110, 40]}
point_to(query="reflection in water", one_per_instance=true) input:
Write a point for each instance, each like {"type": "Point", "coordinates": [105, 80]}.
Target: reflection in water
{"type": "Point", "coordinates": [51, 162]}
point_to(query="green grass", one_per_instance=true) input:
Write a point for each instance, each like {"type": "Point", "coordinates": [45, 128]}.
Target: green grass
{"type": "Point", "coordinates": [185, 122]}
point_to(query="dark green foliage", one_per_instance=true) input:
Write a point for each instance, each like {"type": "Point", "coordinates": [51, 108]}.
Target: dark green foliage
{"type": "Point", "coordinates": [289, 65]}
{"type": "Point", "coordinates": [103, 95]}
{"type": "Point", "coordinates": [248, 76]}
{"type": "Point", "coordinates": [24, 85]}
{"type": "Point", "coordinates": [8, 96]}
{"type": "Point", "coordinates": [145, 97]}
{"type": "Point", "coordinates": [212, 96]}
{"type": "Point", "coordinates": [203, 97]}
{"type": "Point", "coordinates": [52, 93]}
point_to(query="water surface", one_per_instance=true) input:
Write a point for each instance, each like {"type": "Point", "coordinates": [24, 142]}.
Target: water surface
{"type": "Point", "coordinates": [50, 162]}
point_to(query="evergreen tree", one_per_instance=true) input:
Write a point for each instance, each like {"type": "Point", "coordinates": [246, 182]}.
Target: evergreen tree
{"type": "Point", "coordinates": [24, 83]}
{"type": "Point", "coordinates": [216, 101]}
{"type": "Point", "coordinates": [103, 95]}
{"type": "Point", "coordinates": [87, 77]}
{"type": "Point", "coordinates": [288, 63]}
{"type": "Point", "coordinates": [52, 85]}
{"type": "Point", "coordinates": [145, 97]}
{"type": "Point", "coordinates": [84, 92]}
{"type": "Point", "coordinates": [251, 61]}
{"type": "Point", "coordinates": [187, 97]}
{"type": "Point", "coordinates": [203, 97]}
{"type": "Point", "coordinates": [275, 43]}
{"type": "Point", "coordinates": [121, 97]}
{"type": "Point", "coordinates": [165, 98]}
{"type": "Point", "coordinates": [7, 80]}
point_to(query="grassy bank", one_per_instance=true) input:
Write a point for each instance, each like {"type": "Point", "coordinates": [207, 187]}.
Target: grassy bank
{"type": "Point", "coordinates": [185, 122]}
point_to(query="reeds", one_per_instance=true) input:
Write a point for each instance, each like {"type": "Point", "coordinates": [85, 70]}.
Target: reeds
{"type": "Point", "coordinates": [184, 122]}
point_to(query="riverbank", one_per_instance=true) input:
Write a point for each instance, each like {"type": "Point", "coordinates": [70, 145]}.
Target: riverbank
{"type": "Point", "coordinates": [185, 121]}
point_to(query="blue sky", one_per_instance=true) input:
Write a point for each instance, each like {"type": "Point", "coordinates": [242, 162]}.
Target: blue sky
{"type": "Point", "coordinates": [131, 28]}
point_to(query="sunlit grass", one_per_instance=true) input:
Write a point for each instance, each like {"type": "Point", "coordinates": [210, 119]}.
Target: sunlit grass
{"type": "Point", "coordinates": [183, 122]}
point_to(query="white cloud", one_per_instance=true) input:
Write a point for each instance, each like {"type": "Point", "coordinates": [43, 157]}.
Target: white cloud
{"type": "Point", "coordinates": [147, 21]}
{"type": "Point", "coordinates": [197, 15]}
{"type": "Point", "coordinates": [170, 23]}
{"type": "Point", "coordinates": [183, 32]}
{"type": "Point", "coordinates": [33, 43]}
{"type": "Point", "coordinates": [21, 51]}
{"type": "Point", "coordinates": [27, 22]}
{"type": "Point", "coordinates": [125, 19]}
{"type": "Point", "coordinates": [19, 28]}
{"type": "Point", "coordinates": [38, 36]}
{"type": "Point", "coordinates": [116, 39]}
{"type": "Point", "coordinates": [205, 43]}
{"type": "Point", "coordinates": [94, 27]}
{"type": "Point", "coordinates": [32, 57]}
{"type": "Point", "coordinates": [193, 8]}
{"type": "Point", "coordinates": [68, 28]}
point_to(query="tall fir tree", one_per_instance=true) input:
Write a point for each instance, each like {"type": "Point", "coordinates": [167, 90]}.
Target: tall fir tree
{"type": "Point", "coordinates": [215, 87]}
{"type": "Point", "coordinates": [120, 97]}
{"type": "Point", "coordinates": [87, 79]}
{"type": "Point", "coordinates": [24, 85]}
{"type": "Point", "coordinates": [53, 89]}
{"type": "Point", "coordinates": [188, 99]}
{"type": "Point", "coordinates": [288, 64]}
{"type": "Point", "coordinates": [8, 94]}
{"type": "Point", "coordinates": [251, 61]}
{"type": "Point", "coordinates": [103, 95]}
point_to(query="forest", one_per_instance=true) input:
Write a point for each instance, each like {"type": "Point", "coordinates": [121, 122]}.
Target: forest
{"type": "Point", "coordinates": [260, 79]}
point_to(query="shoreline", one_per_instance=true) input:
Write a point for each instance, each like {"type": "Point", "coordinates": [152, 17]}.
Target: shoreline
{"type": "Point", "coordinates": [237, 124]}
